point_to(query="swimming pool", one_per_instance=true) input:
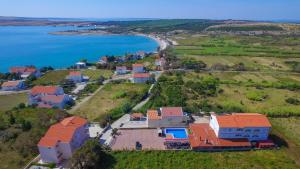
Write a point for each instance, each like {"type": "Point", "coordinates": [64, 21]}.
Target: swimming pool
{"type": "Point", "coordinates": [177, 133]}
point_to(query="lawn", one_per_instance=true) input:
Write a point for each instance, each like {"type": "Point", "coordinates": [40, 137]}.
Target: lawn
{"type": "Point", "coordinates": [275, 159]}
{"type": "Point", "coordinates": [52, 78]}
{"type": "Point", "coordinates": [95, 74]}
{"type": "Point", "coordinates": [110, 97]}
{"type": "Point", "coordinates": [8, 102]}
{"type": "Point", "coordinates": [234, 45]}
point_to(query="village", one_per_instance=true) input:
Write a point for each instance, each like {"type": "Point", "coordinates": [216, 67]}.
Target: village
{"type": "Point", "coordinates": [165, 128]}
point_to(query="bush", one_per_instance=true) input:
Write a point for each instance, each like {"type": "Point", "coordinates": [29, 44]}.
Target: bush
{"type": "Point", "coordinates": [293, 101]}
{"type": "Point", "coordinates": [256, 96]}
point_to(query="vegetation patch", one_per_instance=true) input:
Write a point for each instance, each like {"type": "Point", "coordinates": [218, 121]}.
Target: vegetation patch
{"type": "Point", "coordinates": [256, 95]}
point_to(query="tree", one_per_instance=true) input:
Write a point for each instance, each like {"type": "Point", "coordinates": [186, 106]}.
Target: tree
{"type": "Point", "coordinates": [90, 156]}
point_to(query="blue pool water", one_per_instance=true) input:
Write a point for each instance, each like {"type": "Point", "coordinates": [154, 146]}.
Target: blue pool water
{"type": "Point", "coordinates": [178, 133]}
{"type": "Point", "coordinates": [33, 45]}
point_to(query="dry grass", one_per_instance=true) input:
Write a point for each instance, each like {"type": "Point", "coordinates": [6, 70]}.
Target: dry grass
{"type": "Point", "coordinates": [7, 102]}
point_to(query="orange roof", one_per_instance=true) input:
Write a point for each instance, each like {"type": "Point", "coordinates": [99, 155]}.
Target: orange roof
{"type": "Point", "coordinates": [138, 65]}
{"type": "Point", "coordinates": [153, 115]}
{"type": "Point", "coordinates": [44, 90]}
{"type": "Point", "coordinates": [75, 74]}
{"type": "Point", "coordinates": [11, 83]}
{"type": "Point", "coordinates": [141, 75]}
{"type": "Point", "coordinates": [62, 132]}
{"type": "Point", "coordinates": [30, 69]}
{"type": "Point", "coordinates": [242, 120]}
{"type": "Point", "coordinates": [171, 111]}
{"type": "Point", "coordinates": [203, 136]}
{"type": "Point", "coordinates": [22, 69]}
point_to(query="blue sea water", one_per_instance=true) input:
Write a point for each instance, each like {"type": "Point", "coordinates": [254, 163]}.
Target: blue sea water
{"type": "Point", "coordinates": [33, 45]}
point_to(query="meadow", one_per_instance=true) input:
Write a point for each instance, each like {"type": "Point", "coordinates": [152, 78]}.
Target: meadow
{"type": "Point", "coordinates": [8, 102]}
{"type": "Point", "coordinates": [112, 96]}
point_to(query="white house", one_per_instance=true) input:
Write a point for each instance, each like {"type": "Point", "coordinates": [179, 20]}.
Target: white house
{"type": "Point", "coordinates": [62, 139]}
{"type": "Point", "coordinates": [120, 70]}
{"type": "Point", "coordinates": [141, 77]}
{"type": "Point", "coordinates": [167, 117]}
{"type": "Point", "coordinates": [138, 68]}
{"type": "Point", "coordinates": [80, 65]}
{"type": "Point", "coordinates": [48, 97]}
{"type": "Point", "coordinates": [13, 85]}
{"type": "Point", "coordinates": [252, 126]}
{"type": "Point", "coordinates": [25, 72]}
{"type": "Point", "coordinates": [76, 77]}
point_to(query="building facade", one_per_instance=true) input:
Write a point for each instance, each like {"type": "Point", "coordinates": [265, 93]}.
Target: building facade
{"type": "Point", "coordinates": [13, 86]}
{"type": "Point", "coordinates": [141, 78]}
{"type": "Point", "coordinates": [252, 126]}
{"type": "Point", "coordinates": [76, 77]}
{"type": "Point", "coordinates": [138, 68]}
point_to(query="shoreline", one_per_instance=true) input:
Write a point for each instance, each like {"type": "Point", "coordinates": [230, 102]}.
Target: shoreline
{"type": "Point", "coordinates": [162, 43]}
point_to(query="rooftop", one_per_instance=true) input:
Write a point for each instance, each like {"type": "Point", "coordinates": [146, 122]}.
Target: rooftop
{"type": "Point", "coordinates": [203, 136]}
{"type": "Point", "coordinates": [62, 132]}
{"type": "Point", "coordinates": [171, 111]}
{"type": "Point", "coordinates": [242, 120]}
{"type": "Point", "coordinates": [138, 65]}
{"type": "Point", "coordinates": [153, 115]}
{"type": "Point", "coordinates": [73, 73]}
{"type": "Point", "coordinates": [141, 75]}
{"type": "Point", "coordinates": [44, 90]}
{"type": "Point", "coordinates": [11, 83]}
{"type": "Point", "coordinates": [53, 98]}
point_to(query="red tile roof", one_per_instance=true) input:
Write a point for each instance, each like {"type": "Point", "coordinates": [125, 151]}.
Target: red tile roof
{"type": "Point", "coordinates": [203, 137]}
{"type": "Point", "coordinates": [44, 90]}
{"type": "Point", "coordinates": [75, 73]}
{"type": "Point", "coordinates": [53, 98]}
{"type": "Point", "coordinates": [138, 65]}
{"type": "Point", "coordinates": [153, 115]}
{"type": "Point", "coordinates": [242, 120]}
{"type": "Point", "coordinates": [62, 132]}
{"type": "Point", "coordinates": [22, 69]}
{"type": "Point", "coordinates": [44, 105]}
{"type": "Point", "coordinates": [11, 83]}
{"type": "Point", "coordinates": [171, 111]}
{"type": "Point", "coordinates": [141, 75]}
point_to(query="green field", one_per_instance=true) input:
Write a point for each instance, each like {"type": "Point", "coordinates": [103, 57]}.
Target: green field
{"type": "Point", "coordinates": [8, 102]}
{"type": "Point", "coordinates": [233, 45]}
{"type": "Point", "coordinates": [275, 159]}
{"type": "Point", "coordinates": [95, 74]}
{"type": "Point", "coordinates": [110, 97]}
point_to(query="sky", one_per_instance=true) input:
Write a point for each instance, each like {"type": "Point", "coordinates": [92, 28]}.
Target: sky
{"type": "Point", "coordinates": [196, 9]}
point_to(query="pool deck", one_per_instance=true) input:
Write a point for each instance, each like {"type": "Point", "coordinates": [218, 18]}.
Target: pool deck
{"type": "Point", "coordinates": [149, 139]}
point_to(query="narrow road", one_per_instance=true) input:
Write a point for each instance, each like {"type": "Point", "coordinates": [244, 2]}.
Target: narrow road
{"type": "Point", "coordinates": [4, 93]}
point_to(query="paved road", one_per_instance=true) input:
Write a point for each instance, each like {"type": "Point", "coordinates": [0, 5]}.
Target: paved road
{"type": "Point", "coordinates": [3, 93]}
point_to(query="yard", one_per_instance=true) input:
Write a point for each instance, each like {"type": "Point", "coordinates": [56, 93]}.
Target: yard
{"type": "Point", "coordinates": [112, 96]}
{"type": "Point", "coordinates": [8, 102]}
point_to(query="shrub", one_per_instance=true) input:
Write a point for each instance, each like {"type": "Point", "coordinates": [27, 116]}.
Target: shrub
{"type": "Point", "coordinates": [256, 96]}
{"type": "Point", "coordinates": [293, 101]}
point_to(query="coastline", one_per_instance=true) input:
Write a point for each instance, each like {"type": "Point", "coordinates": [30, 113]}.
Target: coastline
{"type": "Point", "coordinates": [163, 44]}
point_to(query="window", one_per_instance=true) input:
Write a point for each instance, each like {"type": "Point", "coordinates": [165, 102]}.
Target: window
{"type": "Point", "coordinates": [240, 129]}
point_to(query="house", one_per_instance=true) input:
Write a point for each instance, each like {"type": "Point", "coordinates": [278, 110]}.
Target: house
{"type": "Point", "coordinates": [76, 77]}
{"type": "Point", "coordinates": [62, 139]}
{"type": "Point", "coordinates": [167, 117]}
{"type": "Point", "coordinates": [25, 72]}
{"type": "Point", "coordinates": [141, 54]}
{"type": "Point", "coordinates": [160, 62]}
{"type": "Point", "coordinates": [120, 70]}
{"type": "Point", "coordinates": [138, 68]}
{"type": "Point", "coordinates": [251, 126]}
{"type": "Point", "coordinates": [141, 78]}
{"type": "Point", "coordinates": [48, 97]}
{"type": "Point", "coordinates": [13, 85]}
{"type": "Point", "coordinates": [53, 101]}
{"type": "Point", "coordinates": [103, 60]}
{"type": "Point", "coordinates": [231, 132]}
{"type": "Point", "coordinates": [80, 65]}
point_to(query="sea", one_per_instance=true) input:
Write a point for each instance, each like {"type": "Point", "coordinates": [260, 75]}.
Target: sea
{"type": "Point", "coordinates": [33, 45]}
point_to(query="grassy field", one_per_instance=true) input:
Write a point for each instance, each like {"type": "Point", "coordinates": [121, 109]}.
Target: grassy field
{"type": "Point", "coordinates": [275, 159]}
{"type": "Point", "coordinates": [8, 102]}
{"type": "Point", "coordinates": [52, 78]}
{"type": "Point", "coordinates": [95, 74]}
{"type": "Point", "coordinates": [232, 45]}
{"type": "Point", "coordinates": [110, 97]}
